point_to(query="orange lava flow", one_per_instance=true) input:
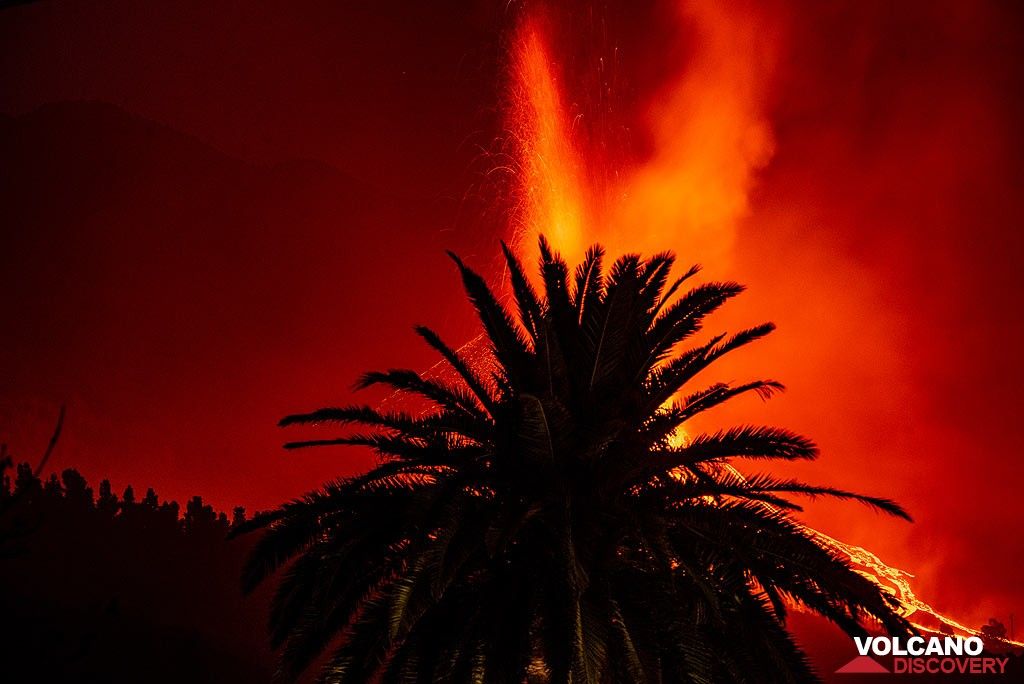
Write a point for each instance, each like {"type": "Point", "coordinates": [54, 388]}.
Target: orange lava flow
{"type": "Point", "coordinates": [894, 580]}
{"type": "Point", "coordinates": [709, 137]}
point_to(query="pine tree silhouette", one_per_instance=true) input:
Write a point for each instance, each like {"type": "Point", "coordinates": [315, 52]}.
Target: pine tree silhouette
{"type": "Point", "coordinates": [100, 589]}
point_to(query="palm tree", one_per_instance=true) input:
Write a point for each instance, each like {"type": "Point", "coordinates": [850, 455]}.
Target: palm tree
{"type": "Point", "coordinates": [546, 521]}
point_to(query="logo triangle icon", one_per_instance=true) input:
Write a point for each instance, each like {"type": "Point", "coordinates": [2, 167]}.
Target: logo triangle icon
{"type": "Point", "coordinates": [862, 665]}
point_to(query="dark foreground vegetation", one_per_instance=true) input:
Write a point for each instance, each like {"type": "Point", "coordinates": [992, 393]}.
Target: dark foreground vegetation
{"type": "Point", "coordinates": [97, 586]}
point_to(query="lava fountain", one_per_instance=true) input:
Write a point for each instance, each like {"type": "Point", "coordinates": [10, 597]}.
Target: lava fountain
{"type": "Point", "coordinates": [707, 136]}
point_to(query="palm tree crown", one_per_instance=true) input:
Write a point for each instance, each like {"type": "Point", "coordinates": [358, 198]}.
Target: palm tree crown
{"type": "Point", "coordinates": [543, 521]}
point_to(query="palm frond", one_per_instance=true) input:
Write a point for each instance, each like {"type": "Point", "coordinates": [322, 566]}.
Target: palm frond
{"type": "Point", "coordinates": [451, 398]}
{"type": "Point", "coordinates": [663, 382]}
{"type": "Point", "coordinates": [738, 442]}
{"type": "Point", "coordinates": [589, 281]}
{"type": "Point", "coordinates": [510, 348]}
{"type": "Point", "coordinates": [460, 366]}
{"type": "Point", "coordinates": [530, 310]}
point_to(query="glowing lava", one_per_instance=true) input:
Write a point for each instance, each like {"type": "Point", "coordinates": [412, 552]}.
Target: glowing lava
{"type": "Point", "coordinates": [707, 137]}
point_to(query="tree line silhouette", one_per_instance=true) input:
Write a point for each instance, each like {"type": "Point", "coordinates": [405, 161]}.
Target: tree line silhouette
{"type": "Point", "coordinates": [26, 493]}
{"type": "Point", "coordinates": [101, 586]}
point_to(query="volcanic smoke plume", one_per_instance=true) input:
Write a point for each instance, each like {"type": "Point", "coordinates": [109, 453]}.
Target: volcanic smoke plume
{"type": "Point", "coordinates": [658, 134]}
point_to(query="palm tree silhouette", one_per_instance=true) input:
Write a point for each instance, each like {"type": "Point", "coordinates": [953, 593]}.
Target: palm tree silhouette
{"type": "Point", "coordinates": [544, 522]}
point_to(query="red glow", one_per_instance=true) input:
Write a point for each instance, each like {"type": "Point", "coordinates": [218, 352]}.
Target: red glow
{"type": "Point", "coordinates": [169, 270]}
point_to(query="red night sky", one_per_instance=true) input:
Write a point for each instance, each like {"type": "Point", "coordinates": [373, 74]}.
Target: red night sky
{"type": "Point", "coordinates": [219, 213]}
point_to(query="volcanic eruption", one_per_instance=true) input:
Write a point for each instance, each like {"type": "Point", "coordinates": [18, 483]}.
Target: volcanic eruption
{"type": "Point", "coordinates": [579, 178]}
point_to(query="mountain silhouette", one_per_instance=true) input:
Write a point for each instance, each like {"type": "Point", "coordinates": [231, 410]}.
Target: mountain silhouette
{"type": "Point", "coordinates": [138, 261]}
